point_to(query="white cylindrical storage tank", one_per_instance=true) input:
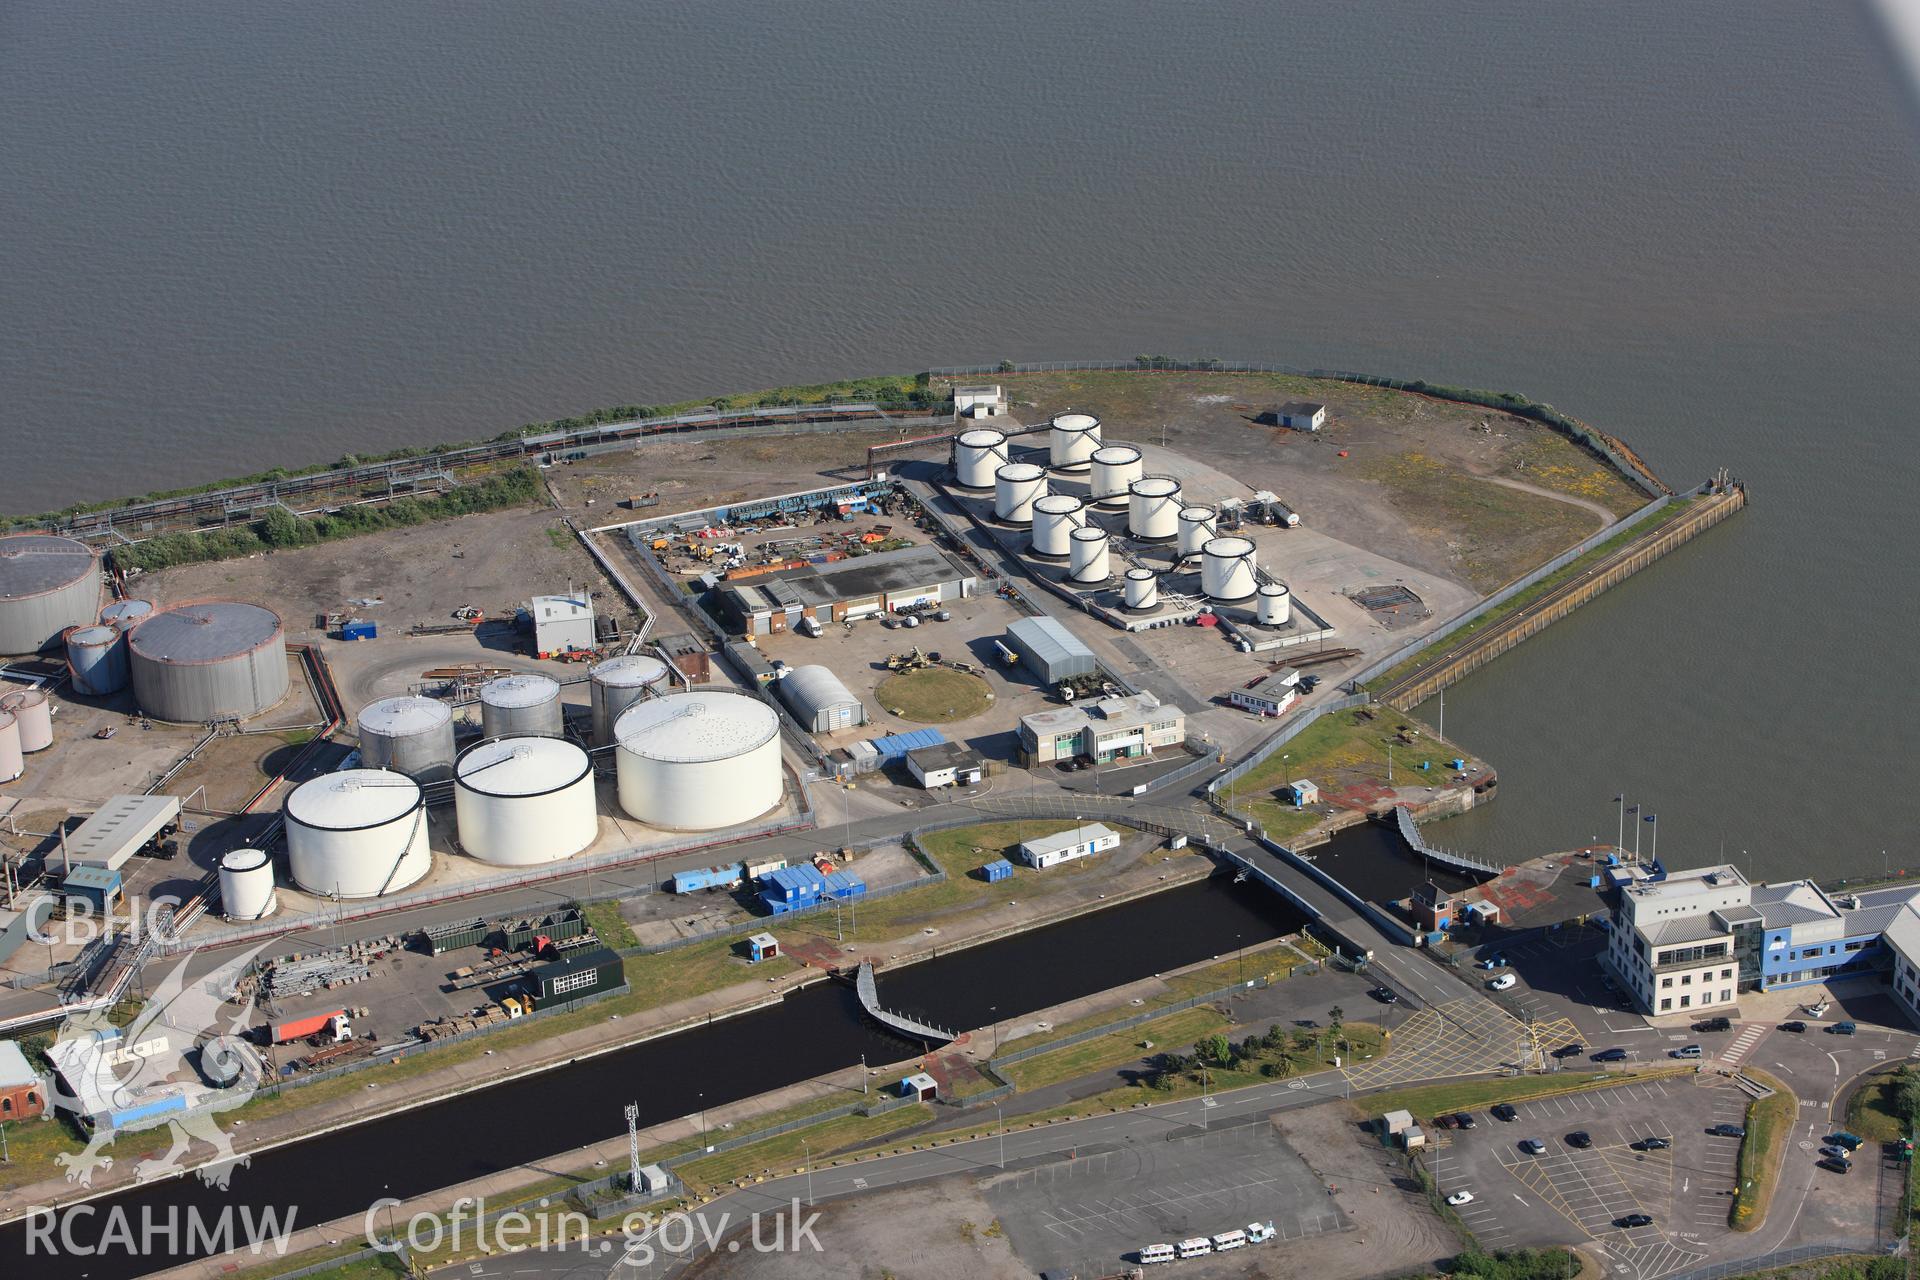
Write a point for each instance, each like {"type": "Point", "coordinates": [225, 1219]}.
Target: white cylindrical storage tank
{"type": "Point", "coordinates": [522, 703]}
{"type": "Point", "coordinates": [34, 714]}
{"type": "Point", "coordinates": [1016, 487]}
{"type": "Point", "coordinates": [699, 760]}
{"type": "Point", "coordinates": [1072, 439]}
{"type": "Point", "coordinates": [524, 801]}
{"type": "Point", "coordinates": [1115, 467]}
{"type": "Point", "coordinates": [617, 684]}
{"type": "Point", "coordinates": [1226, 569]}
{"type": "Point", "coordinates": [408, 734]}
{"type": "Point", "coordinates": [359, 833]}
{"type": "Point", "coordinates": [1197, 526]}
{"type": "Point", "coordinates": [977, 454]}
{"type": "Point", "coordinates": [12, 762]}
{"type": "Point", "coordinates": [215, 660]}
{"type": "Point", "coordinates": [1153, 509]}
{"type": "Point", "coordinates": [246, 885]}
{"type": "Point", "coordinates": [1276, 605]}
{"type": "Point", "coordinates": [125, 615]}
{"type": "Point", "coordinates": [1143, 589]}
{"type": "Point", "coordinates": [47, 584]}
{"type": "Point", "coordinates": [97, 656]}
{"type": "Point", "coordinates": [1088, 562]}
{"type": "Point", "coordinates": [1055, 517]}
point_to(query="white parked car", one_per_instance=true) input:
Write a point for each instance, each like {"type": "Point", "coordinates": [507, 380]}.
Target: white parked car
{"type": "Point", "coordinates": [1502, 982]}
{"type": "Point", "coordinates": [1459, 1198]}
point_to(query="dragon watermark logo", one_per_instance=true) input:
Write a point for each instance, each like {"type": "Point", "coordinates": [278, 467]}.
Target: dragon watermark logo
{"type": "Point", "coordinates": [180, 1065]}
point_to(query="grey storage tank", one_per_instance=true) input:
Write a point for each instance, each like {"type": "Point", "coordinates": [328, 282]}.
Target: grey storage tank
{"type": "Point", "coordinates": [215, 660]}
{"type": "Point", "coordinates": [125, 615]}
{"type": "Point", "coordinates": [521, 704]}
{"type": "Point", "coordinates": [97, 657]}
{"type": "Point", "coordinates": [408, 734]}
{"type": "Point", "coordinates": [617, 684]}
{"type": "Point", "coordinates": [47, 584]}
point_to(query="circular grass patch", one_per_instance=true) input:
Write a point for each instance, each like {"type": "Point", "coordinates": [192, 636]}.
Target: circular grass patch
{"type": "Point", "coordinates": [935, 695]}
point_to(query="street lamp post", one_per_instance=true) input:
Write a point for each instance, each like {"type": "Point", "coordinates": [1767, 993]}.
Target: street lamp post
{"type": "Point", "coordinates": [1000, 1123]}
{"type": "Point", "coordinates": [809, 1150]}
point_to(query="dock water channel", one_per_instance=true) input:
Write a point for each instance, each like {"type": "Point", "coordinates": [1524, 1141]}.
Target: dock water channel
{"type": "Point", "coordinates": [816, 1031]}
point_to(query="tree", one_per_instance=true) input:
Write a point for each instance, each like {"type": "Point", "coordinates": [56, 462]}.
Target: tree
{"type": "Point", "coordinates": [1215, 1050]}
{"type": "Point", "coordinates": [1335, 1016]}
{"type": "Point", "coordinates": [1904, 1093]}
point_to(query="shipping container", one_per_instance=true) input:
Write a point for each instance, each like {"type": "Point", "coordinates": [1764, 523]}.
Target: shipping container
{"type": "Point", "coordinates": [300, 1028]}
{"type": "Point", "coordinates": [358, 629]}
{"type": "Point", "coordinates": [696, 878]}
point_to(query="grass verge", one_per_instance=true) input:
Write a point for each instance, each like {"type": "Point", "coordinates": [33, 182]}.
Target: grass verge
{"type": "Point", "coordinates": [1338, 750]}
{"type": "Point", "coordinates": [1176, 1030]}
{"type": "Point", "coordinates": [1872, 1111]}
{"type": "Point", "coordinates": [608, 924]}
{"type": "Point", "coordinates": [1769, 1122]}
{"type": "Point", "coordinates": [1429, 1100]}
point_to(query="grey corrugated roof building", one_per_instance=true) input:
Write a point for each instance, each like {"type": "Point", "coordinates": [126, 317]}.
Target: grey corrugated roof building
{"type": "Point", "coordinates": [820, 700]}
{"type": "Point", "coordinates": [1049, 650]}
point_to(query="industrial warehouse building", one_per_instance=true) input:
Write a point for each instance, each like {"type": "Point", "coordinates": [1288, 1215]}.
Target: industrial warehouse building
{"type": "Point", "coordinates": [1065, 846]}
{"type": "Point", "coordinates": [1049, 650]}
{"type": "Point", "coordinates": [845, 590]}
{"type": "Point", "coordinates": [561, 624]}
{"type": "Point", "coordinates": [945, 764]}
{"type": "Point", "coordinates": [1109, 729]}
{"type": "Point", "coordinates": [820, 700]}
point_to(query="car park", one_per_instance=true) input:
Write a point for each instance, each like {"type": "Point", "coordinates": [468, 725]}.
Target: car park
{"type": "Point", "coordinates": [1459, 1198]}
{"type": "Point", "coordinates": [1505, 1111]}
{"type": "Point", "coordinates": [1634, 1220]}
{"type": "Point", "coordinates": [1685, 1051]}
{"type": "Point", "coordinates": [1462, 1119]}
{"type": "Point", "coordinates": [1533, 1146]}
{"type": "Point", "coordinates": [1651, 1144]}
{"type": "Point", "coordinates": [1842, 1029]}
{"type": "Point", "coordinates": [1580, 1138]}
{"type": "Point", "coordinates": [1502, 982]}
{"type": "Point", "coordinates": [1796, 1026]}
{"type": "Point", "coordinates": [1837, 1152]}
{"type": "Point", "coordinates": [1728, 1130]}
{"type": "Point", "coordinates": [1610, 1055]}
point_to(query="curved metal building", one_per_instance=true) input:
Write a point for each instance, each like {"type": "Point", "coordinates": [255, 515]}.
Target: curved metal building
{"type": "Point", "coordinates": [214, 660]}
{"type": "Point", "coordinates": [47, 584]}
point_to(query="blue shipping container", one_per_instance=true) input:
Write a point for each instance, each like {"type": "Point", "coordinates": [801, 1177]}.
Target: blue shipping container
{"type": "Point", "coordinates": [358, 629]}
{"type": "Point", "coordinates": [697, 878]}
{"type": "Point", "coordinates": [998, 869]}
{"type": "Point", "coordinates": [845, 886]}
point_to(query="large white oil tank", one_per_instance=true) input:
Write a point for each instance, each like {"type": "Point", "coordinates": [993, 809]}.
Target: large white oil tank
{"type": "Point", "coordinates": [1072, 439]}
{"type": "Point", "coordinates": [1143, 589]}
{"type": "Point", "coordinates": [97, 656]}
{"type": "Point", "coordinates": [125, 615]}
{"type": "Point", "coordinates": [358, 833]}
{"type": "Point", "coordinates": [524, 801]}
{"type": "Point", "coordinates": [977, 454]}
{"type": "Point", "coordinates": [1088, 562]}
{"type": "Point", "coordinates": [1276, 605]}
{"type": "Point", "coordinates": [1197, 527]}
{"type": "Point", "coordinates": [699, 760]}
{"type": "Point", "coordinates": [33, 713]}
{"type": "Point", "coordinates": [12, 762]}
{"type": "Point", "coordinates": [521, 703]}
{"type": "Point", "coordinates": [1016, 487]}
{"type": "Point", "coordinates": [215, 660]}
{"type": "Point", "coordinates": [47, 584]}
{"type": "Point", "coordinates": [1153, 509]}
{"type": "Point", "coordinates": [408, 734]}
{"type": "Point", "coordinates": [1055, 517]}
{"type": "Point", "coordinates": [617, 684]}
{"type": "Point", "coordinates": [1115, 466]}
{"type": "Point", "coordinates": [1226, 569]}
{"type": "Point", "coordinates": [246, 885]}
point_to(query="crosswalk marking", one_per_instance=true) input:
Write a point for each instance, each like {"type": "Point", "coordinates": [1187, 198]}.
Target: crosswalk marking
{"type": "Point", "coordinates": [1743, 1044]}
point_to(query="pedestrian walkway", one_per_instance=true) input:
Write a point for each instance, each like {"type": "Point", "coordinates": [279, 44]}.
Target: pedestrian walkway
{"type": "Point", "coordinates": [1750, 1035]}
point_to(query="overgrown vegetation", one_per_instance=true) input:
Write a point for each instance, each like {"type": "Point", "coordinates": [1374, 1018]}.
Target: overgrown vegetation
{"type": "Point", "coordinates": [1515, 1264]}
{"type": "Point", "coordinates": [1886, 1107]}
{"type": "Point", "coordinates": [280, 529]}
{"type": "Point", "coordinates": [1769, 1122]}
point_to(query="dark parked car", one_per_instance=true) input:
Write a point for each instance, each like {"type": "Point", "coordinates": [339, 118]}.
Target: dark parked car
{"type": "Point", "coordinates": [1651, 1144]}
{"type": "Point", "coordinates": [1795, 1026]}
{"type": "Point", "coordinates": [1446, 1122]}
{"type": "Point", "coordinates": [1385, 995]}
{"type": "Point", "coordinates": [1462, 1119]}
{"type": "Point", "coordinates": [1610, 1055]}
{"type": "Point", "coordinates": [1504, 1112]}
{"type": "Point", "coordinates": [1579, 1138]}
{"type": "Point", "coordinates": [1573, 1050]}
{"type": "Point", "coordinates": [1842, 1029]}
{"type": "Point", "coordinates": [1728, 1131]}
{"type": "Point", "coordinates": [1837, 1166]}
{"type": "Point", "coordinates": [1634, 1220]}
{"type": "Point", "coordinates": [1533, 1147]}
{"type": "Point", "coordinates": [1713, 1024]}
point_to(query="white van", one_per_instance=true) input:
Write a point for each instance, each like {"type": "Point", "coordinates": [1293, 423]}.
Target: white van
{"type": "Point", "coordinates": [1228, 1240]}
{"type": "Point", "coordinates": [1157, 1253]}
{"type": "Point", "coordinates": [1197, 1247]}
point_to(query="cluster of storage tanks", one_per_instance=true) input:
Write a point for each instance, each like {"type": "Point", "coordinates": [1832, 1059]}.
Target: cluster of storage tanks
{"type": "Point", "coordinates": [524, 794]}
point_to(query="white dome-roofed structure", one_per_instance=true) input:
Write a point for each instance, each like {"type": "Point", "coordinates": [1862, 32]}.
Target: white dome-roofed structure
{"type": "Point", "coordinates": [977, 454]}
{"type": "Point", "coordinates": [47, 584]}
{"type": "Point", "coordinates": [1088, 562]}
{"type": "Point", "coordinates": [246, 885]}
{"type": "Point", "coordinates": [1071, 441]}
{"type": "Point", "coordinates": [216, 660]}
{"type": "Point", "coordinates": [1016, 487]}
{"type": "Point", "coordinates": [1115, 467]}
{"type": "Point", "coordinates": [699, 761]}
{"type": "Point", "coordinates": [408, 734]}
{"type": "Point", "coordinates": [820, 700]}
{"type": "Point", "coordinates": [1197, 528]}
{"type": "Point", "coordinates": [1055, 517]}
{"type": "Point", "coordinates": [521, 703]}
{"type": "Point", "coordinates": [1142, 589]}
{"type": "Point", "coordinates": [359, 833]}
{"type": "Point", "coordinates": [97, 656]}
{"type": "Point", "coordinates": [1275, 606]}
{"type": "Point", "coordinates": [34, 714]}
{"type": "Point", "coordinates": [524, 801]}
{"type": "Point", "coordinates": [1227, 570]}
{"type": "Point", "coordinates": [12, 761]}
{"type": "Point", "coordinates": [125, 615]}
{"type": "Point", "coordinates": [1153, 509]}
{"type": "Point", "coordinates": [617, 684]}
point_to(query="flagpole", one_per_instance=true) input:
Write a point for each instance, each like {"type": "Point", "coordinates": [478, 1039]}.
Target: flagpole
{"type": "Point", "coordinates": [1653, 820]}
{"type": "Point", "coordinates": [1620, 841]}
